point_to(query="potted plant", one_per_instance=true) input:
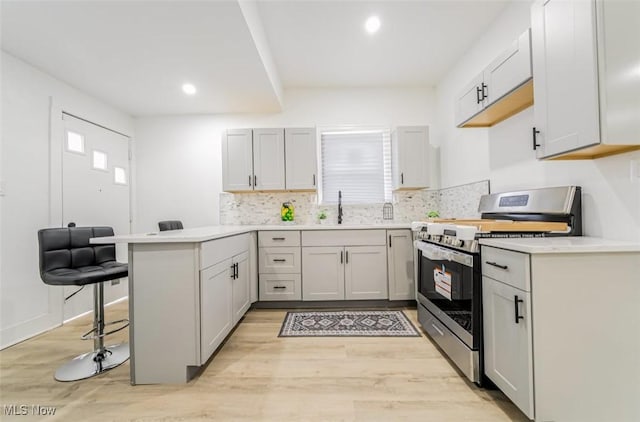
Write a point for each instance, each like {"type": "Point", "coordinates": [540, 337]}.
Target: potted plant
{"type": "Point", "coordinates": [322, 216]}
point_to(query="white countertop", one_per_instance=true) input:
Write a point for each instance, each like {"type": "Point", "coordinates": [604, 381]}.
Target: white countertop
{"type": "Point", "coordinates": [548, 245]}
{"type": "Point", "coordinates": [202, 234]}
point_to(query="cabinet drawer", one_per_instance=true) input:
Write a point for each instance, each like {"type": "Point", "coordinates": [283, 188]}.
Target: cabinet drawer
{"type": "Point", "coordinates": [278, 238]}
{"type": "Point", "coordinates": [279, 260]}
{"type": "Point", "coordinates": [280, 287]}
{"type": "Point", "coordinates": [344, 238]}
{"type": "Point", "coordinates": [217, 250]}
{"type": "Point", "coordinates": [509, 267]}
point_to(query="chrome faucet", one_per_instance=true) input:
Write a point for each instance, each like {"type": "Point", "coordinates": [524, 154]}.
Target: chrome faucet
{"type": "Point", "coordinates": [339, 207]}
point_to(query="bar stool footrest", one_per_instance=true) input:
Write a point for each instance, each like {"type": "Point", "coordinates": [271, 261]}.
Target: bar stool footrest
{"type": "Point", "coordinates": [88, 336]}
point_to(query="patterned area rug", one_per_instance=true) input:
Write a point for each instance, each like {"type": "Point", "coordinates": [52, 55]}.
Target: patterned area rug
{"type": "Point", "coordinates": [347, 324]}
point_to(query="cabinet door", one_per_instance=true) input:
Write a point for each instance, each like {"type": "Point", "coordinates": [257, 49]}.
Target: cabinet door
{"type": "Point", "coordinates": [469, 102]}
{"type": "Point", "coordinates": [400, 265]}
{"type": "Point", "coordinates": [237, 160]}
{"type": "Point", "coordinates": [566, 79]}
{"type": "Point", "coordinates": [411, 155]}
{"type": "Point", "coordinates": [241, 287]}
{"type": "Point", "coordinates": [215, 307]}
{"type": "Point", "coordinates": [510, 70]}
{"type": "Point", "coordinates": [300, 158]}
{"type": "Point", "coordinates": [268, 159]}
{"type": "Point", "coordinates": [508, 353]}
{"type": "Point", "coordinates": [365, 272]}
{"type": "Point", "coordinates": [323, 273]}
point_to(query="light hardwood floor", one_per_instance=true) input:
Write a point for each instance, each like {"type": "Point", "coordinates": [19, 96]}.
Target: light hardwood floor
{"type": "Point", "coordinates": [257, 376]}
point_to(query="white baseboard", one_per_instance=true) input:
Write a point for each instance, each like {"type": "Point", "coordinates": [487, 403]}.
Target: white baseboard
{"type": "Point", "coordinates": [91, 311]}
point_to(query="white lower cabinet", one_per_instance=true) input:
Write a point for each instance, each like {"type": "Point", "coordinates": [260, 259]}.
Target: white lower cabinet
{"type": "Point", "coordinates": [508, 341]}
{"type": "Point", "coordinates": [215, 307]}
{"type": "Point", "coordinates": [560, 337]}
{"type": "Point", "coordinates": [225, 290]}
{"type": "Point", "coordinates": [279, 265]}
{"type": "Point", "coordinates": [365, 272]}
{"type": "Point", "coordinates": [338, 273]}
{"type": "Point", "coordinates": [323, 273]}
{"type": "Point", "coordinates": [400, 265]}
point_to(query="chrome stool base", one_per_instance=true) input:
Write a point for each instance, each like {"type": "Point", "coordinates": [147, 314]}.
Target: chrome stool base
{"type": "Point", "coordinates": [90, 364]}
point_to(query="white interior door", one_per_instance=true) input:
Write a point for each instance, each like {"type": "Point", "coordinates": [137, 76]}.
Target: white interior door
{"type": "Point", "coordinates": [95, 192]}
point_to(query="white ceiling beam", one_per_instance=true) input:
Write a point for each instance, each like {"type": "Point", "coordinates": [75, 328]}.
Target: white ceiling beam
{"type": "Point", "coordinates": [249, 9]}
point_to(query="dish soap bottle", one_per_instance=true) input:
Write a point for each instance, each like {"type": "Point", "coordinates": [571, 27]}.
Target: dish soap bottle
{"type": "Point", "coordinates": [287, 211]}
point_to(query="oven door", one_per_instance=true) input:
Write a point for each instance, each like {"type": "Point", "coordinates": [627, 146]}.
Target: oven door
{"type": "Point", "coordinates": [445, 288]}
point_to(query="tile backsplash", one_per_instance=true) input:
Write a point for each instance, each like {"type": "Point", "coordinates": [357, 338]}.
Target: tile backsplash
{"type": "Point", "coordinates": [264, 207]}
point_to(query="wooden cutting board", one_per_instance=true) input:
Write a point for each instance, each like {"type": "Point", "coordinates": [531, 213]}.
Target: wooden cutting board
{"type": "Point", "coordinates": [508, 225]}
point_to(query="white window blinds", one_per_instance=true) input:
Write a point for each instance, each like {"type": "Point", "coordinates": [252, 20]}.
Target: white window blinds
{"type": "Point", "coordinates": [358, 163]}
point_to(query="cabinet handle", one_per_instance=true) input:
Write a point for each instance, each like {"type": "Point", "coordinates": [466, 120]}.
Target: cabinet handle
{"type": "Point", "coordinates": [279, 260]}
{"type": "Point", "coordinates": [389, 240]}
{"type": "Point", "coordinates": [341, 257]}
{"type": "Point", "coordinates": [478, 92]}
{"type": "Point", "coordinates": [255, 181]}
{"type": "Point", "coordinates": [494, 264]}
{"type": "Point", "coordinates": [279, 287]}
{"type": "Point", "coordinates": [237, 270]}
{"type": "Point", "coordinates": [515, 305]}
{"type": "Point", "coordinates": [314, 180]}
{"type": "Point", "coordinates": [402, 178]}
{"type": "Point", "coordinates": [249, 180]}
{"type": "Point", "coordinates": [346, 257]}
{"type": "Point", "coordinates": [535, 143]}
{"type": "Point", "coordinates": [233, 271]}
{"type": "Point", "coordinates": [485, 92]}
{"type": "Point", "coordinates": [277, 238]}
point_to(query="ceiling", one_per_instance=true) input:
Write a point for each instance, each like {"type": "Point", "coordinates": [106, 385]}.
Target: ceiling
{"type": "Point", "coordinates": [323, 43]}
{"type": "Point", "coordinates": [135, 55]}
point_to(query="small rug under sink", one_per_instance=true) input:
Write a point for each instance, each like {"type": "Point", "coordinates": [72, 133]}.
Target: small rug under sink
{"type": "Point", "coordinates": [347, 324]}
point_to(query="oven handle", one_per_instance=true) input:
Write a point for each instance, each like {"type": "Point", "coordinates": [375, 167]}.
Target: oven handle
{"type": "Point", "coordinates": [437, 253]}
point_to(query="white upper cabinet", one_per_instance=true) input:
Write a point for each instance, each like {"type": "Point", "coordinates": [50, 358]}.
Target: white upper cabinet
{"type": "Point", "coordinates": [585, 106]}
{"type": "Point", "coordinates": [301, 159]}
{"type": "Point", "coordinates": [511, 69]}
{"type": "Point", "coordinates": [410, 152]}
{"type": "Point", "coordinates": [237, 160]}
{"type": "Point", "coordinates": [268, 159]}
{"type": "Point", "coordinates": [501, 90]}
{"type": "Point", "coordinates": [470, 100]}
{"type": "Point", "coordinates": [253, 160]}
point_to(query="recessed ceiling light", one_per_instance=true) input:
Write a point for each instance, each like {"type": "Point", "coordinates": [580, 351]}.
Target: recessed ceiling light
{"type": "Point", "coordinates": [189, 89]}
{"type": "Point", "coordinates": [372, 25]}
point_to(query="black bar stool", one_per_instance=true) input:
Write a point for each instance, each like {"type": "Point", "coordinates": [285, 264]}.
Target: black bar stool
{"type": "Point", "coordinates": [67, 258]}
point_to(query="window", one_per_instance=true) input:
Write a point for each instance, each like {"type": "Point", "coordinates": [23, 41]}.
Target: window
{"type": "Point", "coordinates": [99, 160]}
{"type": "Point", "coordinates": [75, 142]}
{"type": "Point", "coordinates": [119, 176]}
{"type": "Point", "coordinates": [358, 163]}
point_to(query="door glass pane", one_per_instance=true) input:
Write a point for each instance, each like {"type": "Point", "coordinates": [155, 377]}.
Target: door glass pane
{"type": "Point", "coordinates": [99, 160]}
{"type": "Point", "coordinates": [75, 142]}
{"type": "Point", "coordinates": [119, 176]}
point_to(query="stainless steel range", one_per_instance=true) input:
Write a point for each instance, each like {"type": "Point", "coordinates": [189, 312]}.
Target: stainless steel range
{"type": "Point", "coordinates": [449, 279]}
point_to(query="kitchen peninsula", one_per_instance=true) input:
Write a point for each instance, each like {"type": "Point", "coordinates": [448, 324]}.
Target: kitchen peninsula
{"type": "Point", "coordinates": [189, 288]}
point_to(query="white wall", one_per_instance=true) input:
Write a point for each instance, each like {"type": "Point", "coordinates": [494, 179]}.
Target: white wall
{"type": "Point", "coordinates": [503, 154]}
{"type": "Point", "coordinates": [27, 306]}
{"type": "Point", "coordinates": [179, 158]}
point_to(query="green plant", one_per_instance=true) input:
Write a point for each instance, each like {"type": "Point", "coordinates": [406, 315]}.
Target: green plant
{"type": "Point", "coordinates": [322, 215]}
{"type": "Point", "coordinates": [433, 214]}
